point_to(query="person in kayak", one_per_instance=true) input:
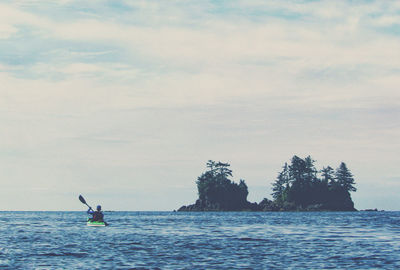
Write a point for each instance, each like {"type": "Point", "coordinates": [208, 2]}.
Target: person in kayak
{"type": "Point", "coordinates": [96, 215]}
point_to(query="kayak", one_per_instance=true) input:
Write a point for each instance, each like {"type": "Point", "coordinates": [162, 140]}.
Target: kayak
{"type": "Point", "coordinates": [96, 223]}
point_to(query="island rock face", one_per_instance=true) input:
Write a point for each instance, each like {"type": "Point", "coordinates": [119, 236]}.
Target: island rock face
{"type": "Point", "coordinates": [201, 205]}
{"type": "Point", "coordinates": [218, 193]}
{"type": "Point", "coordinates": [297, 188]}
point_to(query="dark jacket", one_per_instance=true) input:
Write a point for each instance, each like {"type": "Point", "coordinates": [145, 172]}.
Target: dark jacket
{"type": "Point", "coordinates": [96, 215]}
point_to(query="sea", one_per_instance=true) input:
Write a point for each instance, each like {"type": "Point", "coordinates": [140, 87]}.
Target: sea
{"type": "Point", "coordinates": [201, 240]}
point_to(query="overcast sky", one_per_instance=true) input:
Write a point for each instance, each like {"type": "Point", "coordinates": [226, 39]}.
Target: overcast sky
{"type": "Point", "coordinates": [125, 101]}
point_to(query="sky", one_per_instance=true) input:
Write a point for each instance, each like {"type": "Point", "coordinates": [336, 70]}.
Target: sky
{"type": "Point", "coordinates": [124, 102]}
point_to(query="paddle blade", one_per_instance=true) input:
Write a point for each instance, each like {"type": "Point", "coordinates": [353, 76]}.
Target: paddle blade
{"type": "Point", "coordinates": [82, 199]}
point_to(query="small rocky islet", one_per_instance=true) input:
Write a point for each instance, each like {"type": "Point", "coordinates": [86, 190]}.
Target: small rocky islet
{"type": "Point", "coordinates": [298, 187]}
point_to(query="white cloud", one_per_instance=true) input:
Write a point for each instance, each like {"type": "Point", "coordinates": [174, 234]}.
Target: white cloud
{"type": "Point", "coordinates": [14, 16]}
{"type": "Point", "coordinates": [390, 20]}
{"type": "Point", "coordinates": [6, 31]}
{"type": "Point", "coordinates": [108, 97]}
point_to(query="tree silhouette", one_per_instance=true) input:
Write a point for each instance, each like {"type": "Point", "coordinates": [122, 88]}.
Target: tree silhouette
{"type": "Point", "coordinates": [216, 191]}
{"type": "Point", "coordinates": [298, 186]}
{"type": "Point", "coordinates": [344, 177]}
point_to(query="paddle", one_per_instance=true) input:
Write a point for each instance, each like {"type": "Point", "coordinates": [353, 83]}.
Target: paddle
{"type": "Point", "coordinates": [83, 201]}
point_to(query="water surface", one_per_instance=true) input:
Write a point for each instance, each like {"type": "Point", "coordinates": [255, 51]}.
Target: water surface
{"type": "Point", "coordinates": [167, 240]}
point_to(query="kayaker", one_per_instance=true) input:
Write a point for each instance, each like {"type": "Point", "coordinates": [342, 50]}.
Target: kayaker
{"type": "Point", "coordinates": [96, 215]}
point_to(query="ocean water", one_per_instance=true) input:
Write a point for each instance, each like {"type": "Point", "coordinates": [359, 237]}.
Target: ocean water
{"type": "Point", "coordinates": [167, 240]}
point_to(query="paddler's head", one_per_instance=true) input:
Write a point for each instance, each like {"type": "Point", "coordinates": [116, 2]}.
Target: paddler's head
{"type": "Point", "coordinates": [98, 208]}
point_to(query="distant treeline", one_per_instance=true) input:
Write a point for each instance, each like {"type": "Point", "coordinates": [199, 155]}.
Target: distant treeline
{"type": "Point", "coordinates": [298, 187]}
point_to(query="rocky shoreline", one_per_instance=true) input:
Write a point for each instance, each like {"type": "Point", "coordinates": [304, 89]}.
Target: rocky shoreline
{"type": "Point", "coordinates": [264, 206]}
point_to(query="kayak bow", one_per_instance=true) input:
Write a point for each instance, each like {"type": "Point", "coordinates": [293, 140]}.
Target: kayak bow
{"type": "Point", "coordinates": [96, 223]}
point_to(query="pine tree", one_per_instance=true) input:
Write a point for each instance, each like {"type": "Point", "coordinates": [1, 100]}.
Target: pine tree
{"type": "Point", "coordinates": [281, 183]}
{"type": "Point", "coordinates": [310, 170]}
{"type": "Point", "coordinates": [223, 169]}
{"type": "Point", "coordinates": [344, 177]}
{"type": "Point", "coordinates": [328, 175]}
{"type": "Point", "coordinates": [297, 171]}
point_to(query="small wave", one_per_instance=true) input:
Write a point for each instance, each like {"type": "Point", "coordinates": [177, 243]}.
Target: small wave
{"type": "Point", "coordinates": [334, 257]}
{"type": "Point", "coordinates": [127, 243]}
{"type": "Point", "coordinates": [70, 245]}
{"type": "Point", "coordinates": [143, 268]}
{"type": "Point", "coordinates": [253, 239]}
{"type": "Point", "coordinates": [140, 248]}
{"type": "Point", "coordinates": [66, 254]}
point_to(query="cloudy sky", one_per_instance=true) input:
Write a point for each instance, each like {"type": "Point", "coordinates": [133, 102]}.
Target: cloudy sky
{"type": "Point", "coordinates": [125, 101]}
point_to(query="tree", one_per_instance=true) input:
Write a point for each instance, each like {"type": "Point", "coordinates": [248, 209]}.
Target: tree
{"type": "Point", "coordinates": [301, 177]}
{"type": "Point", "coordinates": [297, 170]}
{"type": "Point", "coordinates": [223, 170]}
{"type": "Point", "coordinates": [344, 177]}
{"type": "Point", "coordinates": [310, 170]}
{"type": "Point", "coordinates": [281, 184]}
{"type": "Point", "coordinates": [328, 175]}
{"type": "Point", "coordinates": [211, 166]}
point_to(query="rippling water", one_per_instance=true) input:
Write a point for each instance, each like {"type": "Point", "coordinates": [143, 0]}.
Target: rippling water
{"type": "Point", "coordinates": [163, 240]}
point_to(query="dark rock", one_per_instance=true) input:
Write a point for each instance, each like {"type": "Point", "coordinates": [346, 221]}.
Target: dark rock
{"type": "Point", "coordinates": [267, 206]}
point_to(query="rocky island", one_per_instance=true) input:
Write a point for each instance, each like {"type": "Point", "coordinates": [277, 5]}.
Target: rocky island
{"type": "Point", "coordinates": [298, 187]}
